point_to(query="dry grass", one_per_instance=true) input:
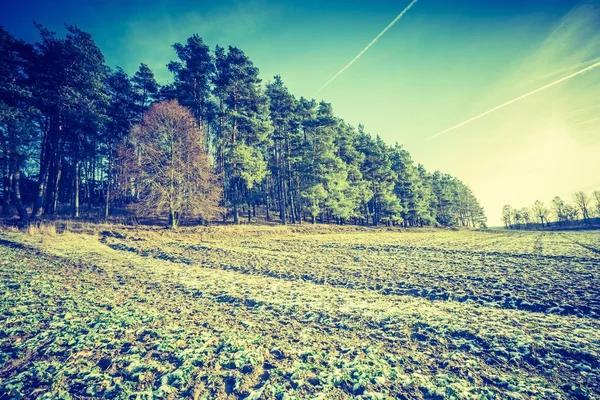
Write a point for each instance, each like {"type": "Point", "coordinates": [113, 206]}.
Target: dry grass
{"type": "Point", "coordinates": [42, 228]}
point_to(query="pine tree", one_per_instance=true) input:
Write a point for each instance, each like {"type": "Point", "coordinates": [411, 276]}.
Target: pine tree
{"type": "Point", "coordinates": [193, 76]}
{"type": "Point", "coordinates": [69, 78]}
{"type": "Point", "coordinates": [283, 165]}
{"type": "Point", "coordinates": [242, 122]}
{"type": "Point", "coordinates": [377, 170]}
{"type": "Point", "coordinates": [17, 120]}
{"type": "Point", "coordinates": [145, 90]}
{"type": "Point", "coordinates": [121, 114]}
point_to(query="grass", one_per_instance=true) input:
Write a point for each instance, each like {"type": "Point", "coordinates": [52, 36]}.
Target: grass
{"type": "Point", "coordinates": [299, 312]}
{"type": "Point", "coordinates": [44, 228]}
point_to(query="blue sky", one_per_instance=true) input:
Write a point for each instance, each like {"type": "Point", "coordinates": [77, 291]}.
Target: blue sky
{"type": "Point", "coordinates": [442, 63]}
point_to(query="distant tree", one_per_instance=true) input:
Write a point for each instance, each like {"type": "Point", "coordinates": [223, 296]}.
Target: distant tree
{"type": "Point", "coordinates": [596, 195]}
{"type": "Point", "coordinates": [540, 212]}
{"type": "Point", "coordinates": [517, 217]}
{"type": "Point", "coordinates": [526, 215]}
{"type": "Point", "coordinates": [559, 209]}
{"type": "Point", "coordinates": [571, 214]}
{"type": "Point", "coordinates": [170, 167]}
{"type": "Point", "coordinates": [583, 201]}
{"type": "Point", "coordinates": [507, 216]}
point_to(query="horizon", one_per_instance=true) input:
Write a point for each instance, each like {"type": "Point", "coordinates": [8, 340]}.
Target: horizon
{"type": "Point", "coordinates": [454, 62]}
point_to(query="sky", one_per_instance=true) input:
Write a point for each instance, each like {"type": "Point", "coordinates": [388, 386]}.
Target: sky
{"type": "Point", "coordinates": [442, 63]}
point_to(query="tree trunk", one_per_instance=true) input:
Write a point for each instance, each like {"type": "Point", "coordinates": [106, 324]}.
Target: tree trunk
{"type": "Point", "coordinates": [49, 152]}
{"type": "Point", "coordinates": [267, 200]}
{"type": "Point", "coordinates": [50, 189]}
{"type": "Point", "coordinates": [236, 218]}
{"type": "Point", "coordinates": [6, 189]}
{"type": "Point", "coordinates": [92, 181]}
{"type": "Point", "coordinates": [76, 191]}
{"type": "Point", "coordinates": [297, 206]}
{"type": "Point", "coordinates": [37, 204]}
{"type": "Point", "coordinates": [56, 190]}
{"type": "Point", "coordinates": [16, 197]}
{"type": "Point", "coordinates": [54, 175]}
{"type": "Point", "coordinates": [108, 181]}
{"type": "Point", "coordinates": [280, 188]}
{"type": "Point", "coordinates": [293, 216]}
{"type": "Point", "coordinates": [172, 219]}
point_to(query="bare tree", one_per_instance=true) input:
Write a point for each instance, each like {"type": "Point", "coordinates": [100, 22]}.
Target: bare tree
{"type": "Point", "coordinates": [540, 212]}
{"type": "Point", "coordinates": [167, 168]}
{"type": "Point", "coordinates": [517, 217]}
{"type": "Point", "coordinates": [597, 198]}
{"type": "Point", "coordinates": [571, 214]}
{"type": "Point", "coordinates": [526, 215]}
{"type": "Point", "coordinates": [559, 208]}
{"type": "Point", "coordinates": [582, 201]}
{"type": "Point", "coordinates": [507, 215]}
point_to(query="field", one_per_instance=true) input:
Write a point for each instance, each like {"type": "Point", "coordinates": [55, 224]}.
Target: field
{"type": "Point", "coordinates": [299, 312]}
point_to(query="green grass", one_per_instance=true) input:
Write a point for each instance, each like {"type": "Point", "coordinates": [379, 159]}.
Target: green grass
{"type": "Point", "coordinates": [299, 313]}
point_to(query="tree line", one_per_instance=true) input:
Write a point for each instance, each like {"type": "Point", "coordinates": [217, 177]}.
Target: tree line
{"type": "Point", "coordinates": [75, 133]}
{"type": "Point", "coordinates": [582, 210]}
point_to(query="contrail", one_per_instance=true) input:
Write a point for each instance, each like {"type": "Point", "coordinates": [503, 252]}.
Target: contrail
{"type": "Point", "coordinates": [585, 109]}
{"type": "Point", "coordinates": [370, 44]}
{"type": "Point", "coordinates": [587, 121]}
{"type": "Point", "coordinates": [596, 65]}
{"type": "Point", "coordinates": [558, 71]}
